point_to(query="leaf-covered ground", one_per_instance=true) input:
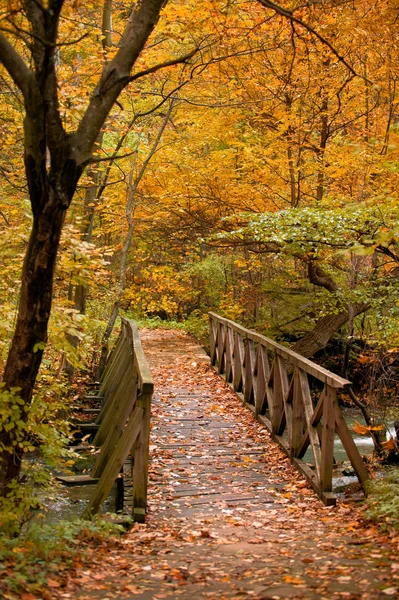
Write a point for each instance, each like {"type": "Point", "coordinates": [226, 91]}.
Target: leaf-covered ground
{"type": "Point", "coordinates": [228, 516]}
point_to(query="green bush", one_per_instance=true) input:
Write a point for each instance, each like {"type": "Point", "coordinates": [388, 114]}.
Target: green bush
{"type": "Point", "coordinates": [383, 501]}
{"type": "Point", "coordinates": [197, 323]}
{"type": "Point", "coordinates": [44, 550]}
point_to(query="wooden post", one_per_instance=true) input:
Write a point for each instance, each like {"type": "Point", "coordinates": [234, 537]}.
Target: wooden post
{"type": "Point", "coordinates": [212, 339]}
{"type": "Point", "coordinates": [141, 457]}
{"type": "Point", "coordinates": [229, 354]}
{"type": "Point", "coordinates": [238, 360]}
{"type": "Point", "coordinates": [297, 415]}
{"type": "Point", "coordinates": [262, 377]}
{"type": "Point", "coordinates": [249, 370]}
{"type": "Point", "coordinates": [327, 440]}
{"type": "Point", "coordinates": [221, 348]}
{"type": "Point", "coordinates": [280, 391]}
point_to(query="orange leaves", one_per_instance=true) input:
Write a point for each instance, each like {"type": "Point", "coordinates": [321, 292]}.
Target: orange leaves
{"type": "Point", "coordinates": [390, 445]}
{"type": "Point", "coordinates": [365, 429]}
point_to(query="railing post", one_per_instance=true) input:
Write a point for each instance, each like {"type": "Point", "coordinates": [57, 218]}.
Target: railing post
{"type": "Point", "coordinates": [249, 370]}
{"type": "Point", "coordinates": [212, 340]}
{"type": "Point", "coordinates": [280, 392]}
{"type": "Point", "coordinates": [327, 439]}
{"type": "Point", "coordinates": [297, 415]}
{"type": "Point", "coordinates": [221, 348]}
{"type": "Point", "coordinates": [229, 354]}
{"type": "Point", "coordinates": [238, 360]}
{"type": "Point", "coordinates": [140, 464]}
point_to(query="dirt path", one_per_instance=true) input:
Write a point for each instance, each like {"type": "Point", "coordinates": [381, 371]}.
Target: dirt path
{"type": "Point", "coordinates": [228, 516]}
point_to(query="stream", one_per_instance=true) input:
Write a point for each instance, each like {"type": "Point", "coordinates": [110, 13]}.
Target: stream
{"type": "Point", "coordinates": [364, 444]}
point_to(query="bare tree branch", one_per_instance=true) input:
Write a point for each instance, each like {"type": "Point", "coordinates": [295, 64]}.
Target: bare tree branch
{"type": "Point", "coordinates": [115, 77]}
{"type": "Point", "coordinates": [168, 63]}
{"type": "Point", "coordinates": [15, 66]}
{"type": "Point", "coordinates": [284, 12]}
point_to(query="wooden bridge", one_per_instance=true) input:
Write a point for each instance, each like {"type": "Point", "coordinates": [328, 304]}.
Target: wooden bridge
{"type": "Point", "coordinates": [229, 513]}
{"type": "Point", "coordinates": [293, 397]}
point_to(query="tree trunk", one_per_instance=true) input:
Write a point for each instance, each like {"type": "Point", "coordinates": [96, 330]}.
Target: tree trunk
{"type": "Point", "coordinates": [30, 334]}
{"type": "Point", "coordinates": [325, 327]}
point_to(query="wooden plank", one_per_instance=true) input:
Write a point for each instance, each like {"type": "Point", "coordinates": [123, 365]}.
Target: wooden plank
{"type": "Point", "coordinates": [77, 479]}
{"type": "Point", "coordinates": [318, 412]}
{"type": "Point", "coordinates": [115, 463]}
{"type": "Point", "coordinates": [327, 440]}
{"type": "Point", "coordinates": [296, 359]}
{"type": "Point", "coordinates": [116, 401]}
{"type": "Point", "coordinates": [350, 446]}
{"type": "Point", "coordinates": [123, 401]}
{"type": "Point", "coordinates": [88, 427]}
{"type": "Point", "coordinates": [112, 365]}
{"type": "Point", "coordinates": [146, 384]}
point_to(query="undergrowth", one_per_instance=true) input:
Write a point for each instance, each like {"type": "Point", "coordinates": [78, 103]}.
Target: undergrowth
{"type": "Point", "coordinates": [196, 323]}
{"type": "Point", "coordinates": [383, 501]}
{"type": "Point", "coordinates": [29, 562]}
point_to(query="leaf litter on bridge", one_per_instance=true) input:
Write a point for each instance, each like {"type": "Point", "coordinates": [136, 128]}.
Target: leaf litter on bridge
{"type": "Point", "coordinates": [228, 515]}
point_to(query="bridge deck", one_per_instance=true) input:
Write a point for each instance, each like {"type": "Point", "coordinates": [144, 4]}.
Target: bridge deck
{"type": "Point", "coordinates": [228, 515]}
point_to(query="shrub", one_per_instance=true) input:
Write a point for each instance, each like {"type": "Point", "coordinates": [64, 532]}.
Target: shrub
{"type": "Point", "coordinates": [383, 501]}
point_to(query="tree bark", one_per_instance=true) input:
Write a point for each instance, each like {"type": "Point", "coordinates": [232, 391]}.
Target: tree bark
{"type": "Point", "coordinates": [324, 329]}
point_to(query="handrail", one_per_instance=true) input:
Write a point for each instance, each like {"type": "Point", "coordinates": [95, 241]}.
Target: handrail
{"type": "Point", "coordinates": [281, 396]}
{"type": "Point", "coordinates": [294, 358]}
{"type": "Point", "coordinates": [124, 422]}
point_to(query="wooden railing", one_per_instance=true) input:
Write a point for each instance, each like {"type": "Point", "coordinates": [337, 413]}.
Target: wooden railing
{"type": "Point", "coordinates": [291, 395]}
{"type": "Point", "coordinates": [122, 427]}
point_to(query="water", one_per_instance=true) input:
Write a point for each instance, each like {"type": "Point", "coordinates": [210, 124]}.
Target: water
{"type": "Point", "coordinates": [65, 503]}
{"type": "Point", "coordinates": [364, 444]}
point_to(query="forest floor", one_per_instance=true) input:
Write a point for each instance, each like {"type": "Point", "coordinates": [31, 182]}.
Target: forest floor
{"type": "Point", "coordinates": [228, 515]}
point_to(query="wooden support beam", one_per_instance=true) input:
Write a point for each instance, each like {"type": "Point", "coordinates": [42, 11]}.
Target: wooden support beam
{"type": "Point", "coordinates": [327, 440]}
{"type": "Point", "coordinates": [350, 446]}
{"type": "Point", "coordinates": [110, 473]}
{"type": "Point", "coordinates": [140, 461]}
